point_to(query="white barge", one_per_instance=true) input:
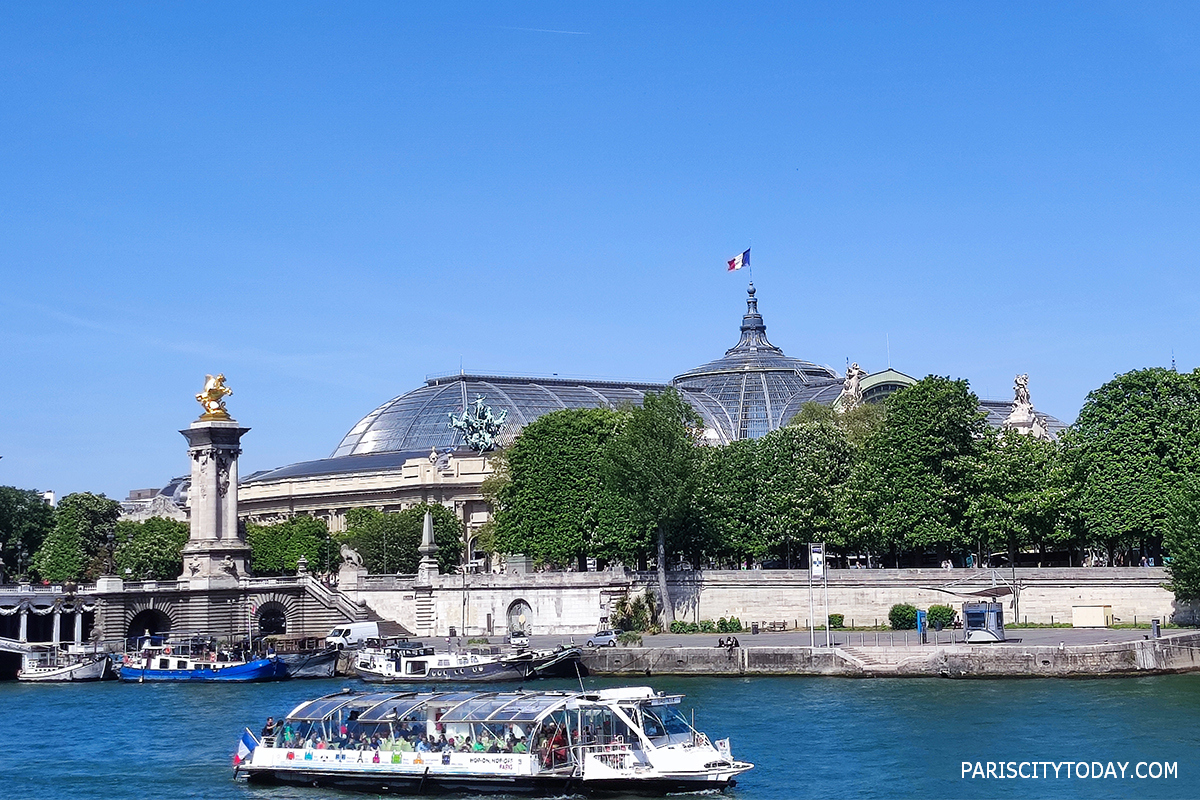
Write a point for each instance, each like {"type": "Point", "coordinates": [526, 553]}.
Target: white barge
{"type": "Point", "coordinates": [629, 740]}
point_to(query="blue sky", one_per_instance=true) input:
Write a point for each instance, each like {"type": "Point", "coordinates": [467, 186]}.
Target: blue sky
{"type": "Point", "coordinates": [329, 202]}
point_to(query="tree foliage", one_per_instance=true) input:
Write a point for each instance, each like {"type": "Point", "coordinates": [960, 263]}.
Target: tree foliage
{"type": "Point", "coordinates": [1181, 536]}
{"type": "Point", "coordinates": [276, 549]}
{"type": "Point", "coordinates": [910, 487]}
{"type": "Point", "coordinates": [651, 462]}
{"type": "Point", "coordinates": [388, 541]}
{"type": "Point", "coordinates": [150, 550]}
{"type": "Point", "coordinates": [552, 503]}
{"type": "Point", "coordinates": [25, 521]}
{"type": "Point", "coordinates": [1135, 440]}
{"type": "Point", "coordinates": [76, 548]}
{"type": "Point", "coordinates": [1016, 501]}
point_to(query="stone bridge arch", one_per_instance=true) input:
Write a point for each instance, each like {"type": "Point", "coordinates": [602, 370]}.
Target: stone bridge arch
{"type": "Point", "coordinates": [143, 617]}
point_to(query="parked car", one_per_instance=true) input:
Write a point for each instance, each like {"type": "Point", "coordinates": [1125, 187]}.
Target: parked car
{"type": "Point", "coordinates": [518, 639]}
{"type": "Point", "coordinates": [604, 638]}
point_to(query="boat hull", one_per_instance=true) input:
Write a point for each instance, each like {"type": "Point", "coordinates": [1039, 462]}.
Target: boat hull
{"type": "Point", "coordinates": [263, 669]}
{"type": "Point", "coordinates": [99, 669]}
{"type": "Point", "coordinates": [429, 782]}
{"type": "Point", "coordinates": [479, 673]}
{"type": "Point", "coordinates": [321, 664]}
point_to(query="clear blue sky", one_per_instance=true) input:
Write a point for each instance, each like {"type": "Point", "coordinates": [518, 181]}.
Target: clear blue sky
{"type": "Point", "coordinates": [329, 202]}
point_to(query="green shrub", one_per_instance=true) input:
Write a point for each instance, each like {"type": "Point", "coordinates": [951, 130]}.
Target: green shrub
{"type": "Point", "coordinates": [837, 620]}
{"type": "Point", "coordinates": [734, 625]}
{"type": "Point", "coordinates": [940, 617]}
{"type": "Point", "coordinates": [478, 640]}
{"type": "Point", "coordinates": [630, 639]}
{"type": "Point", "coordinates": [903, 617]}
{"type": "Point", "coordinates": [722, 625]}
{"type": "Point", "coordinates": [707, 626]}
{"type": "Point", "coordinates": [679, 626]}
{"type": "Point", "coordinates": [691, 627]}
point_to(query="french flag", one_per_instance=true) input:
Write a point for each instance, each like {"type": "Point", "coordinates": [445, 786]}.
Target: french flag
{"type": "Point", "coordinates": [739, 261]}
{"type": "Point", "coordinates": [246, 746]}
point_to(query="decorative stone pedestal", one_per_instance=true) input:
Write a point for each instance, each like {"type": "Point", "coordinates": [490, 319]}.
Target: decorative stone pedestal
{"type": "Point", "coordinates": [216, 554]}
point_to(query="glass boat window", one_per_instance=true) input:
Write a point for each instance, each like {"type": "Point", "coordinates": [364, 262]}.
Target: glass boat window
{"type": "Point", "coordinates": [664, 721]}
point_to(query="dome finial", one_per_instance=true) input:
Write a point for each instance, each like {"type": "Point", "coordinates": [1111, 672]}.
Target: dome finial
{"type": "Point", "coordinates": [750, 290]}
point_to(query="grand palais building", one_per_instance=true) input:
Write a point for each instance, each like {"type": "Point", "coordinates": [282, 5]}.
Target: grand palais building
{"type": "Point", "coordinates": [405, 452]}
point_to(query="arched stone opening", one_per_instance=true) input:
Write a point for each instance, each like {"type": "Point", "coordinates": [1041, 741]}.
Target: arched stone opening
{"type": "Point", "coordinates": [151, 620]}
{"type": "Point", "coordinates": [272, 619]}
{"type": "Point", "coordinates": [520, 616]}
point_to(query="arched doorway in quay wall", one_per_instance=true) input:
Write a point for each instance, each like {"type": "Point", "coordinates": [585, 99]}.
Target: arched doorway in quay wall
{"type": "Point", "coordinates": [520, 616]}
{"type": "Point", "coordinates": [150, 620]}
{"type": "Point", "coordinates": [272, 619]}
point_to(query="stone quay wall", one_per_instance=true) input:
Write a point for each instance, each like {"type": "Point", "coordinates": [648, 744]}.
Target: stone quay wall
{"type": "Point", "coordinates": [578, 603]}
{"type": "Point", "coordinates": [864, 597]}
{"type": "Point", "coordinates": [1177, 653]}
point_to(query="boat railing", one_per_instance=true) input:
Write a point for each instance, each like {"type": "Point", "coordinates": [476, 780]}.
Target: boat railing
{"type": "Point", "coordinates": [615, 755]}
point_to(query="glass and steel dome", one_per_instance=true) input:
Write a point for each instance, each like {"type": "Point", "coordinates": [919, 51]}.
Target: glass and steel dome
{"type": "Point", "coordinates": [419, 421]}
{"type": "Point", "coordinates": [754, 382]}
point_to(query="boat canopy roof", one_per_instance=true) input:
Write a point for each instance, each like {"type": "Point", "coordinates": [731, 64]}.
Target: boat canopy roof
{"type": "Point", "coordinates": [469, 706]}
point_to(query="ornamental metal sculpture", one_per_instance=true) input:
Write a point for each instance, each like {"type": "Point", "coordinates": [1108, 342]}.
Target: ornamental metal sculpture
{"type": "Point", "coordinates": [478, 425]}
{"type": "Point", "coordinates": [210, 397]}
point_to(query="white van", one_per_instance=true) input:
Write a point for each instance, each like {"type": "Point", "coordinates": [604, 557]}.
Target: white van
{"type": "Point", "coordinates": [352, 634]}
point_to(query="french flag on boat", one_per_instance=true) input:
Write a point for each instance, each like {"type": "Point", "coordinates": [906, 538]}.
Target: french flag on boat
{"type": "Point", "coordinates": [246, 746]}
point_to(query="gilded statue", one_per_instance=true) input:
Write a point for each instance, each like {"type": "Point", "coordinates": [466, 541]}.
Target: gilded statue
{"type": "Point", "coordinates": [210, 397]}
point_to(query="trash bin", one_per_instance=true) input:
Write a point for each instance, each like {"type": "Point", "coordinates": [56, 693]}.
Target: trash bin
{"type": "Point", "coordinates": [453, 632]}
{"type": "Point", "coordinates": [1154, 628]}
{"type": "Point", "coordinates": [753, 628]}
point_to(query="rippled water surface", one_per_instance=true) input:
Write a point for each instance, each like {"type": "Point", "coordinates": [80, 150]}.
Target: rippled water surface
{"type": "Point", "coordinates": [809, 737]}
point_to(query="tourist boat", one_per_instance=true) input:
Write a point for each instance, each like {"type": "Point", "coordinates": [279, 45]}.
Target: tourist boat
{"type": "Point", "coordinates": [401, 661]}
{"type": "Point", "coordinates": [629, 740]}
{"type": "Point", "coordinates": [197, 660]}
{"type": "Point", "coordinates": [54, 665]}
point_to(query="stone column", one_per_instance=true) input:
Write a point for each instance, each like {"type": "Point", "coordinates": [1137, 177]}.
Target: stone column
{"type": "Point", "coordinates": [216, 553]}
{"type": "Point", "coordinates": [78, 625]}
{"type": "Point", "coordinates": [56, 634]}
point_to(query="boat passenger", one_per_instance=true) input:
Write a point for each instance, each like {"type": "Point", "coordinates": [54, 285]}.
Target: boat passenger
{"type": "Point", "coordinates": [519, 746]}
{"type": "Point", "coordinates": [422, 744]}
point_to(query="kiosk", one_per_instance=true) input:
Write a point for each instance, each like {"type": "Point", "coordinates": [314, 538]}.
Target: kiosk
{"type": "Point", "coordinates": [983, 622]}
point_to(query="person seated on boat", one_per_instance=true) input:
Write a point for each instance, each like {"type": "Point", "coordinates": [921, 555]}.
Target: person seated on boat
{"type": "Point", "coordinates": [464, 744]}
{"type": "Point", "coordinates": [269, 728]}
{"type": "Point", "coordinates": [320, 745]}
{"type": "Point", "coordinates": [478, 746]}
{"type": "Point", "coordinates": [519, 745]}
{"type": "Point", "coordinates": [422, 744]}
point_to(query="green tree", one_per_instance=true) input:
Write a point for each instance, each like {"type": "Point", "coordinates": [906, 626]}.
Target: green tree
{"type": "Point", "coordinates": [1135, 440]}
{"type": "Point", "coordinates": [728, 486]}
{"type": "Point", "coordinates": [1016, 501]}
{"type": "Point", "coordinates": [552, 503]}
{"type": "Point", "coordinates": [651, 462]}
{"type": "Point", "coordinates": [388, 541]}
{"type": "Point", "coordinates": [909, 489]}
{"type": "Point", "coordinates": [1181, 537]}
{"type": "Point", "coordinates": [152, 549]}
{"type": "Point", "coordinates": [802, 468]}
{"type": "Point", "coordinates": [77, 546]}
{"type": "Point", "coordinates": [276, 549]}
{"type": "Point", "coordinates": [25, 521]}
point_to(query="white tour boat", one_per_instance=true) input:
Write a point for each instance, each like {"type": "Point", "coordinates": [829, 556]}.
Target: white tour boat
{"type": "Point", "coordinates": [624, 740]}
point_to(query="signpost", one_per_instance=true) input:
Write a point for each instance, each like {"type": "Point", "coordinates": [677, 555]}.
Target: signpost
{"type": "Point", "coordinates": [817, 570]}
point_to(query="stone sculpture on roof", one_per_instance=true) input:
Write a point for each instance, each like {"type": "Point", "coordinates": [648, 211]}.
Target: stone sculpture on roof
{"type": "Point", "coordinates": [851, 396]}
{"type": "Point", "coordinates": [1023, 419]}
{"type": "Point", "coordinates": [479, 427]}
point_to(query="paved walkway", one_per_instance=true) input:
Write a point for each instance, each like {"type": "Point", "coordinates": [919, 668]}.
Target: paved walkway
{"type": "Point", "coordinates": [1016, 636]}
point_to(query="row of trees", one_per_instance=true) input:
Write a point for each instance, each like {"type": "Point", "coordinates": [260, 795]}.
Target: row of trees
{"type": "Point", "coordinates": [75, 540]}
{"type": "Point", "coordinates": [918, 478]}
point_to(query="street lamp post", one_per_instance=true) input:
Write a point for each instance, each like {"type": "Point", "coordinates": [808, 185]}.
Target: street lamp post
{"type": "Point", "coordinates": [110, 546]}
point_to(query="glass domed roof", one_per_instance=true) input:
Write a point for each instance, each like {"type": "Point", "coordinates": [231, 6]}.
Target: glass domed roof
{"type": "Point", "coordinates": [754, 381]}
{"type": "Point", "coordinates": [420, 420]}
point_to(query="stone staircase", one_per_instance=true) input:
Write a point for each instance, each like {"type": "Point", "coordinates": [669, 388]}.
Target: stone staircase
{"type": "Point", "coordinates": [426, 615]}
